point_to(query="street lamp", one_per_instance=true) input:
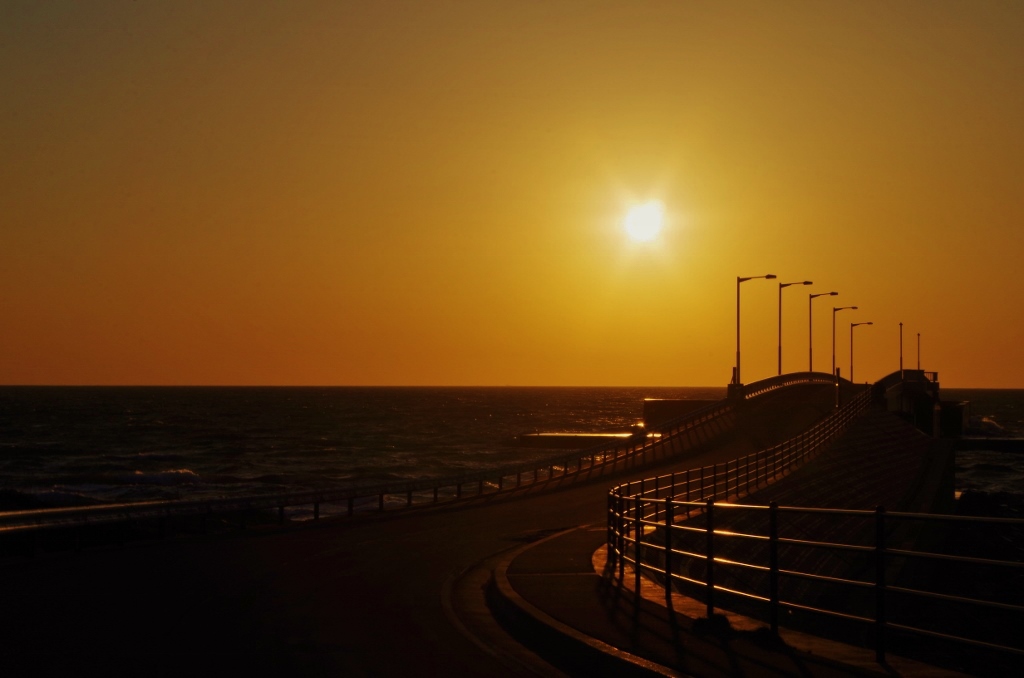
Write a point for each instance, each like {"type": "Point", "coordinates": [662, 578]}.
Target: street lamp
{"type": "Point", "coordinates": [810, 328]}
{"type": "Point", "coordinates": [901, 350]}
{"type": "Point", "coordinates": [781, 285]}
{"type": "Point", "coordinates": [852, 325]}
{"type": "Point", "coordinates": [834, 310]}
{"type": "Point", "coordinates": [736, 377]}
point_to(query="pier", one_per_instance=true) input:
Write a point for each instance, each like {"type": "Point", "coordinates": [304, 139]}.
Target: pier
{"type": "Point", "coordinates": [525, 573]}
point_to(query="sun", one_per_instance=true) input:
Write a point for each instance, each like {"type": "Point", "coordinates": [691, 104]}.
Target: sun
{"type": "Point", "coordinates": [643, 222]}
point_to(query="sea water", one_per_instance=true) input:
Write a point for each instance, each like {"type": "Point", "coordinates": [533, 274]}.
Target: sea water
{"type": "Point", "coordinates": [990, 471]}
{"type": "Point", "coordinates": [67, 446]}
{"type": "Point", "coordinates": [63, 446]}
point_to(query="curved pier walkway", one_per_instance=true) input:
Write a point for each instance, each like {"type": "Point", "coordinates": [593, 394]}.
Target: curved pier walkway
{"type": "Point", "coordinates": [378, 596]}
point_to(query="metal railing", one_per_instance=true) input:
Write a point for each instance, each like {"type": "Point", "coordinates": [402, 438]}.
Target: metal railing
{"type": "Point", "coordinates": [754, 389]}
{"type": "Point", "coordinates": [862, 570]}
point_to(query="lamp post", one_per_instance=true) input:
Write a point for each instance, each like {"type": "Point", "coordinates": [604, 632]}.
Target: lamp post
{"type": "Point", "coordinates": [901, 350]}
{"type": "Point", "coordinates": [736, 377]}
{"type": "Point", "coordinates": [852, 325]}
{"type": "Point", "coordinates": [781, 285]}
{"type": "Point", "coordinates": [918, 351]}
{"type": "Point", "coordinates": [834, 311]}
{"type": "Point", "coordinates": [810, 328]}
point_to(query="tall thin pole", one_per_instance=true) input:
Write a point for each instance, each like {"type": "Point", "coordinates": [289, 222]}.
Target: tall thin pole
{"type": "Point", "coordinates": [810, 329]}
{"type": "Point", "coordinates": [780, 328]}
{"type": "Point", "coordinates": [738, 281]}
{"type": "Point", "coordinates": [836, 309]}
{"type": "Point", "coordinates": [918, 351]}
{"type": "Point", "coordinates": [852, 325]}
{"type": "Point", "coordinates": [901, 350]}
{"type": "Point", "coordinates": [781, 285]}
{"type": "Point", "coordinates": [770, 276]}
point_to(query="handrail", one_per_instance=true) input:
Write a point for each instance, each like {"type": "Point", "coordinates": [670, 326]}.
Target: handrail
{"type": "Point", "coordinates": [776, 460]}
{"type": "Point", "coordinates": [581, 465]}
{"type": "Point", "coordinates": [648, 522]}
{"type": "Point", "coordinates": [756, 388]}
{"type": "Point", "coordinates": [637, 528]}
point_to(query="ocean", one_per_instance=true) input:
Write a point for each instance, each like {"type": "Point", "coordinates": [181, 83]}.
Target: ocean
{"type": "Point", "coordinates": [68, 446]}
{"type": "Point", "coordinates": [992, 472]}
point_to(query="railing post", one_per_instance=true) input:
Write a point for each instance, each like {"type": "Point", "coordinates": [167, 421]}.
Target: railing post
{"type": "Point", "coordinates": [620, 514]}
{"type": "Point", "coordinates": [638, 535]}
{"type": "Point", "coordinates": [668, 551]}
{"type": "Point", "coordinates": [714, 482]}
{"type": "Point", "coordinates": [380, 501]}
{"type": "Point", "coordinates": [710, 575]}
{"type": "Point", "coordinates": [773, 566]}
{"type": "Point", "coordinates": [880, 584]}
{"type": "Point", "coordinates": [501, 480]}
{"type": "Point", "coordinates": [610, 517]}
{"type": "Point", "coordinates": [435, 494]}
{"type": "Point", "coordinates": [408, 498]}
{"type": "Point", "coordinates": [458, 490]}
{"type": "Point", "coordinates": [316, 510]}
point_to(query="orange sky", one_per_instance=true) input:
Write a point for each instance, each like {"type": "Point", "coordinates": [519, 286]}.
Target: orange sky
{"type": "Point", "coordinates": [432, 193]}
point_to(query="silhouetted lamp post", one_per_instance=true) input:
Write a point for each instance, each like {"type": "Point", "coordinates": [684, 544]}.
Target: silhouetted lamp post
{"type": "Point", "coordinates": [810, 327]}
{"type": "Point", "coordinates": [852, 325]}
{"type": "Point", "coordinates": [736, 377]}
{"type": "Point", "coordinates": [834, 311]}
{"type": "Point", "coordinates": [781, 285]}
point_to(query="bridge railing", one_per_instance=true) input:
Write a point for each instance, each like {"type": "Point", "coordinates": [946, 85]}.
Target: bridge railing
{"type": "Point", "coordinates": [552, 471]}
{"type": "Point", "coordinates": [978, 602]}
{"type": "Point", "coordinates": [757, 388]}
{"type": "Point", "coordinates": [753, 471]}
{"type": "Point", "coordinates": [681, 530]}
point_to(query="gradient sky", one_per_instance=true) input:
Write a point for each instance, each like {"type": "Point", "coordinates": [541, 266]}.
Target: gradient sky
{"type": "Point", "coordinates": [432, 193]}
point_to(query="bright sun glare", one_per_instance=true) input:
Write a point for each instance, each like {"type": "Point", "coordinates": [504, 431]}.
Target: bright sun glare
{"type": "Point", "coordinates": [643, 222]}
